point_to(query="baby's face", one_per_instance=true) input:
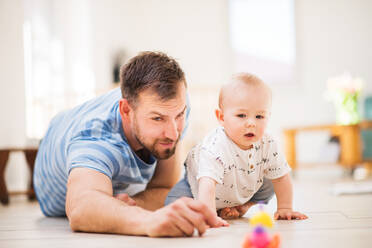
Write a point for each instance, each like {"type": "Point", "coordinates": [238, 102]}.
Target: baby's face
{"type": "Point", "coordinates": [245, 114]}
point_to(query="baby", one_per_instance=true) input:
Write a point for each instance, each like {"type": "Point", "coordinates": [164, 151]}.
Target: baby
{"type": "Point", "coordinates": [238, 164]}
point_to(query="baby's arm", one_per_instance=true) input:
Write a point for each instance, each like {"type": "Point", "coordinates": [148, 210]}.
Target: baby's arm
{"type": "Point", "coordinates": [284, 195]}
{"type": "Point", "coordinates": [207, 192]}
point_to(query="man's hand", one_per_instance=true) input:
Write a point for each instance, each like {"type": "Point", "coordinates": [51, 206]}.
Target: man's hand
{"type": "Point", "coordinates": [181, 218]}
{"type": "Point", "coordinates": [126, 198]}
{"type": "Point", "coordinates": [288, 214]}
{"type": "Point", "coordinates": [229, 213]}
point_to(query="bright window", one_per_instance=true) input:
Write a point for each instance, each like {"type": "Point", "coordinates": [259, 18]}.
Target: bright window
{"type": "Point", "coordinates": [58, 70]}
{"type": "Point", "coordinates": [263, 38]}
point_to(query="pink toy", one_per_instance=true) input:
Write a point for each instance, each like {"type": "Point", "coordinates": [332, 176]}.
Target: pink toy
{"type": "Point", "coordinates": [260, 239]}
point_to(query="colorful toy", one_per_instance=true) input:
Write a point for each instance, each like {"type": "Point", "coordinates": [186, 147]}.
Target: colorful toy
{"type": "Point", "coordinates": [259, 238]}
{"type": "Point", "coordinates": [261, 218]}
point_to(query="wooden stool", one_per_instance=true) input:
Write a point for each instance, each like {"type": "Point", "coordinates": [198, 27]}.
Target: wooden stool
{"type": "Point", "coordinates": [30, 154]}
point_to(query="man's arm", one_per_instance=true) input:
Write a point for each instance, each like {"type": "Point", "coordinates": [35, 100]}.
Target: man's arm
{"type": "Point", "coordinates": [167, 174]}
{"type": "Point", "coordinates": [90, 207]}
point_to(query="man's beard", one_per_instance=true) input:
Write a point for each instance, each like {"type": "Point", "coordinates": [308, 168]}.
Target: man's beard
{"type": "Point", "coordinates": [167, 153]}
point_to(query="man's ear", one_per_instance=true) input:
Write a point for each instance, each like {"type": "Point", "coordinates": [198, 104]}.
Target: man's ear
{"type": "Point", "coordinates": [124, 108]}
{"type": "Point", "coordinates": [219, 115]}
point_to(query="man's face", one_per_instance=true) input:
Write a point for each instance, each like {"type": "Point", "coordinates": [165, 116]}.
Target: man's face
{"type": "Point", "coordinates": [157, 125]}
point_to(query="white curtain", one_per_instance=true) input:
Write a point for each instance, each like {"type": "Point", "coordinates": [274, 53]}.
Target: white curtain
{"type": "Point", "coordinates": [58, 59]}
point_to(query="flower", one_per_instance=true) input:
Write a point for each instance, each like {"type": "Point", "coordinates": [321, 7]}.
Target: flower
{"type": "Point", "coordinates": [345, 83]}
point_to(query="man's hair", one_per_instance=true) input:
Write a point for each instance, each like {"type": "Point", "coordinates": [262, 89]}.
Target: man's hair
{"type": "Point", "coordinates": [151, 70]}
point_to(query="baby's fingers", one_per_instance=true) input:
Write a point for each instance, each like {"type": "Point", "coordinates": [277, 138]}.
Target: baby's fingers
{"type": "Point", "coordinates": [300, 216]}
{"type": "Point", "coordinates": [276, 216]}
{"type": "Point", "coordinates": [288, 216]}
{"type": "Point", "coordinates": [283, 216]}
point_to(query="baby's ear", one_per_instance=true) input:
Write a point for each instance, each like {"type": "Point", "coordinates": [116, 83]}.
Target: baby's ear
{"type": "Point", "coordinates": [219, 115]}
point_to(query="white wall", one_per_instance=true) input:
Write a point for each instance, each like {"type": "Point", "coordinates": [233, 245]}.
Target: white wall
{"type": "Point", "coordinates": [12, 90]}
{"type": "Point", "coordinates": [332, 37]}
{"type": "Point", "coordinates": [195, 32]}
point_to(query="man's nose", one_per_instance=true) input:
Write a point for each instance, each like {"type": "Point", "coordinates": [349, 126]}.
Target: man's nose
{"type": "Point", "coordinates": [171, 131]}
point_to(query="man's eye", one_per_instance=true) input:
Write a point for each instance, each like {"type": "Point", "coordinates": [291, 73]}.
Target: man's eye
{"type": "Point", "coordinates": [181, 115]}
{"type": "Point", "coordinates": [241, 115]}
{"type": "Point", "coordinates": [260, 116]}
{"type": "Point", "coordinates": [157, 118]}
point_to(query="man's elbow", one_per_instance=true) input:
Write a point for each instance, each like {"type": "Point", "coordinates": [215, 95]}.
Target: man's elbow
{"type": "Point", "coordinates": [75, 212]}
{"type": "Point", "coordinates": [75, 219]}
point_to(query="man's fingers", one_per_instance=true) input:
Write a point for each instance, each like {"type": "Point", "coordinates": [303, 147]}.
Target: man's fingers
{"type": "Point", "coordinates": [209, 215]}
{"type": "Point", "coordinates": [173, 231]}
{"type": "Point", "coordinates": [168, 223]}
{"type": "Point", "coordinates": [131, 202]}
{"type": "Point", "coordinates": [185, 225]}
{"type": "Point", "coordinates": [126, 198]}
{"type": "Point", "coordinates": [195, 219]}
{"type": "Point", "coordinates": [223, 222]}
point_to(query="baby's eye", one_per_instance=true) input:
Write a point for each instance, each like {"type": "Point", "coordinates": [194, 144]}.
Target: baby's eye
{"type": "Point", "coordinates": [260, 116]}
{"type": "Point", "coordinates": [241, 115]}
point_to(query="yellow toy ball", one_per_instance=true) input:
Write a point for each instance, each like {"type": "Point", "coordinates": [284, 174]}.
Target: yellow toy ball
{"type": "Point", "coordinates": [263, 219]}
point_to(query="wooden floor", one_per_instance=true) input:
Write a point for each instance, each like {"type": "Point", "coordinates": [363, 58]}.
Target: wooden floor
{"type": "Point", "coordinates": [334, 221]}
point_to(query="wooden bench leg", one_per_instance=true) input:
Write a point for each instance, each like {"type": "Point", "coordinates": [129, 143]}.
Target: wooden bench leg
{"type": "Point", "coordinates": [30, 158]}
{"type": "Point", "coordinates": [290, 148]}
{"type": "Point", "coordinates": [4, 196]}
{"type": "Point", "coordinates": [350, 148]}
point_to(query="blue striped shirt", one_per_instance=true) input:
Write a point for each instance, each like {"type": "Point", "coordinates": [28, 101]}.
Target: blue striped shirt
{"type": "Point", "coordinates": [90, 136]}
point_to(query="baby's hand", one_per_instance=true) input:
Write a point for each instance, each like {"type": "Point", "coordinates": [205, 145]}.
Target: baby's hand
{"type": "Point", "coordinates": [228, 213]}
{"type": "Point", "coordinates": [288, 214]}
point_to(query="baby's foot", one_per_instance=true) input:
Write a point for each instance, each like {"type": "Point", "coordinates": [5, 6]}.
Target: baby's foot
{"type": "Point", "coordinates": [229, 213]}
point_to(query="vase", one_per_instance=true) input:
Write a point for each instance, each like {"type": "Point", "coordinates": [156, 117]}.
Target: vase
{"type": "Point", "coordinates": [347, 109]}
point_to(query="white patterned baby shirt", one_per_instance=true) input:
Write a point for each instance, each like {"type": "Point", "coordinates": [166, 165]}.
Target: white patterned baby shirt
{"type": "Point", "coordinates": [238, 173]}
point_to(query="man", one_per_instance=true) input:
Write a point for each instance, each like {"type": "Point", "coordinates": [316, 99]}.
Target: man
{"type": "Point", "coordinates": [119, 144]}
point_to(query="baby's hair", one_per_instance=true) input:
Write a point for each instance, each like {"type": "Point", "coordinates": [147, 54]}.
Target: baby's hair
{"type": "Point", "coordinates": [246, 78]}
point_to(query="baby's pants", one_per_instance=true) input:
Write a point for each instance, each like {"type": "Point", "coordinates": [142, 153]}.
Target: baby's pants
{"type": "Point", "coordinates": [182, 189]}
